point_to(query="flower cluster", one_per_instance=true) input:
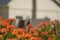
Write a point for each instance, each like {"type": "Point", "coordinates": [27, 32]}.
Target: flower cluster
{"type": "Point", "coordinates": [44, 31]}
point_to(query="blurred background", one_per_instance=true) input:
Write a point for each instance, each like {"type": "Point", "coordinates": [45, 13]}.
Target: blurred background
{"type": "Point", "coordinates": [30, 9]}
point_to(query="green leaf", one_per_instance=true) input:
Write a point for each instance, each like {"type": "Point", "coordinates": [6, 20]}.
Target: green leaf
{"type": "Point", "coordinates": [9, 35]}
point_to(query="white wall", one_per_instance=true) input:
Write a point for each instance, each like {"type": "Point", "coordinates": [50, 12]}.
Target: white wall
{"type": "Point", "coordinates": [47, 8]}
{"type": "Point", "coordinates": [47, 5]}
{"type": "Point", "coordinates": [20, 8]}
{"type": "Point", "coordinates": [24, 8]}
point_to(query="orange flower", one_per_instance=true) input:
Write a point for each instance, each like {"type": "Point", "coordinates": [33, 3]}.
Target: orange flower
{"type": "Point", "coordinates": [35, 38]}
{"type": "Point", "coordinates": [28, 35]}
{"type": "Point", "coordinates": [45, 33]}
{"type": "Point", "coordinates": [40, 24]}
{"type": "Point", "coordinates": [50, 38]}
{"type": "Point", "coordinates": [15, 32]}
{"type": "Point", "coordinates": [33, 30]}
{"type": "Point", "coordinates": [47, 23]}
{"type": "Point", "coordinates": [21, 35]}
{"type": "Point", "coordinates": [35, 33]}
{"type": "Point", "coordinates": [4, 30]}
{"type": "Point", "coordinates": [12, 39]}
{"type": "Point", "coordinates": [11, 27]}
{"type": "Point", "coordinates": [29, 26]}
{"type": "Point", "coordinates": [9, 20]}
{"type": "Point", "coordinates": [21, 30]}
{"type": "Point", "coordinates": [5, 23]}
{"type": "Point", "coordinates": [1, 36]}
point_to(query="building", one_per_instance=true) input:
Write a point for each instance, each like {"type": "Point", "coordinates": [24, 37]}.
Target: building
{"type": "Point", "coordinates": [45, 8]}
